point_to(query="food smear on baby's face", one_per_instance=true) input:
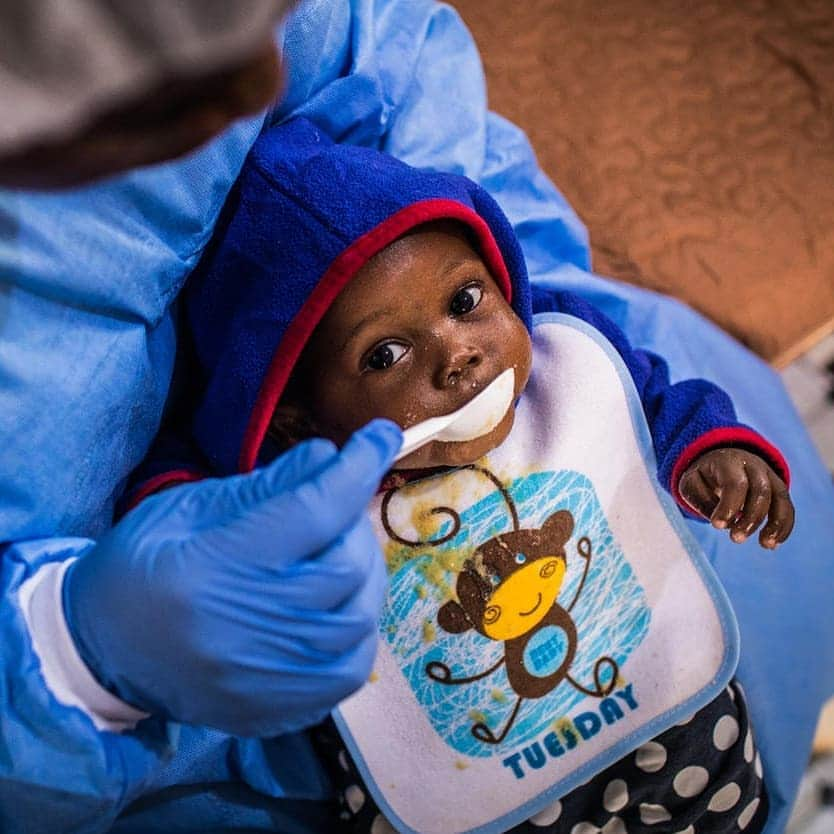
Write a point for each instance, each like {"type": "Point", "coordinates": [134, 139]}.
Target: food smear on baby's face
{"type": "Point", "coordinates": [419, 331]}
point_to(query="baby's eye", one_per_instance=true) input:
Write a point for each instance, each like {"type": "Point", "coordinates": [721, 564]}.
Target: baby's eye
{"type": "Point", "coordinates": [385, 355]}
{"type": "Point", "coordinates": [465, 300]}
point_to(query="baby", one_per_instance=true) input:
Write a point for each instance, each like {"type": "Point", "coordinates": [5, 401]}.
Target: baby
{"type": "Point", "coordinates": [342, 285]}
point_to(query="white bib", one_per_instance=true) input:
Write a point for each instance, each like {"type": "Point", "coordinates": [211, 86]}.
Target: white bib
{"type": "Point", "coordinates": [547, 612]}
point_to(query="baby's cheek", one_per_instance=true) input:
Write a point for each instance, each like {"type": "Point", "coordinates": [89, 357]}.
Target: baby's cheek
{"type": "Point", "coordinates": [334, 410]}
{"type": "Point", "coordinates": [402, 394]}
{"type": "Point", "coordinates": [516, 349]}
{"type": "Point", "coordinates": [344, 410]}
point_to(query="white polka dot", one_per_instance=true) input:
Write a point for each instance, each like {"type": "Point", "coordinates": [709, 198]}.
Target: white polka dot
{"type": "Point", "coordinates": [343, 760]}
{"type": "Point", "coordinates": [584, 828]}
{"type": "Point", "coordinates": [690, 781]}
{"type": "Point", "coordinates": [652, 814]}
{"type": "Point", "coordinates": [690, 829]}
{"type": "Point", "coordinates": [355, 798]}
{"type": "Point", "coordinates": [614, 826]}
{"type": "Point", "coordinates": [758, 766]}
{"type": "Point", "coordinates": [380, 825]}
{"type": "Point", "coordinates": [731, 693]}
{"type": "Point", "coordinates": [725, 798]}
{"type": "Point", "coordinates": [547, 816]}
{"type": "Point", "coordinates": [747, 814]}
{"type": "Point", "coordinates": [725, 734]}
{"type": "Point", "coordinates": [685, 720]}
{"type": "Point", "coordinates": [615, 796]}
{"type": "Point", "coordinates": [651, 757]}
{"type": "Point", "coordinates": [748, 747]}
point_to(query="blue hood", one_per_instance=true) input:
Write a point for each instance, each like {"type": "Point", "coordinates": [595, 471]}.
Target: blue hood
{"type": "Point", "coordinates": [304, 216]}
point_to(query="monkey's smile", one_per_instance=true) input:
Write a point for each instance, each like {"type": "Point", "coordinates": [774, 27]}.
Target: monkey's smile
{"type": "Point", "coordinates": [524, 587]}
{"type": "Point", "coordinates": [533, 609]}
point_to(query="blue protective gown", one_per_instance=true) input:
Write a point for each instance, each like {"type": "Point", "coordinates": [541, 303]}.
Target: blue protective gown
{"type": "Point", "coordinates": [86, 353]}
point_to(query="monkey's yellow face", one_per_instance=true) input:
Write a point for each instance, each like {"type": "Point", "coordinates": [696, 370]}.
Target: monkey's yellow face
{"type": "Point", "coordinates": [520, 602]}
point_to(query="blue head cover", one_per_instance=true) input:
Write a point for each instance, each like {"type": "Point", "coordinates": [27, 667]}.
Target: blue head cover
{"type": "Point", "coordinates": [305, 215]}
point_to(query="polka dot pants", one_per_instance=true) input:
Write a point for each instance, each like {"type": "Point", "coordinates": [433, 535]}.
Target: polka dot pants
{"type": "Point", "coordinates": [702, 776]}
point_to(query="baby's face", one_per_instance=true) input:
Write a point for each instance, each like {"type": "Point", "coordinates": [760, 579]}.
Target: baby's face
{"type": "Point", "coordinates": [420, 330]}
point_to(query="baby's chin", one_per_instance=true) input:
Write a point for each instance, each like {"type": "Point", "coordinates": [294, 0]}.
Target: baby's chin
{"type": "Point", "coordinates": [438, 453]}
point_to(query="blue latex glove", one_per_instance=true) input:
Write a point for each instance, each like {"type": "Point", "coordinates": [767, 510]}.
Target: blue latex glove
{"type": "Point", "coordinates": [249, 603]}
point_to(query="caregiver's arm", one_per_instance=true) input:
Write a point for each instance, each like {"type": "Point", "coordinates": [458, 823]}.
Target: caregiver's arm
{"type": "Point", "coordinates": [57, 769]}
{"type": "Point", "coordinates": [86, 348]}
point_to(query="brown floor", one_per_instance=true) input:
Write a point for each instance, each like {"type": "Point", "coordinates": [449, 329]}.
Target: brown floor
{"type": "Point", "coordinates": [696, 140]}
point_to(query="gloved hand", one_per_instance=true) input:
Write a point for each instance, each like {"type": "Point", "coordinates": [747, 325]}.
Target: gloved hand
{"type": "Point", "coordinates": [248, 603]}
{"type": "Point", "coordinates": [736, 490]}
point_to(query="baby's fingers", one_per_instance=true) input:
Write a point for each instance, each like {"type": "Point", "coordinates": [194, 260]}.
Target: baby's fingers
{"type": "Point", "coordinates": [696, 492]}
{"type": "Point", "coordinates": [757, 504]}
{"type": "Point", "coordinates": [781, 516]}
{"type": "Point", "coordinates": [731, 486]}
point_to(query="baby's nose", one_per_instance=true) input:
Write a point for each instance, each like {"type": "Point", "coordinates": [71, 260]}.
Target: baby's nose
{"type": "Point", "coordinates": [457, 367]}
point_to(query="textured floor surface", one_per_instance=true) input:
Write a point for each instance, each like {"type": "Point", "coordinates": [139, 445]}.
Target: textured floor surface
{"type": "Point", "coordinates": [695, 140]}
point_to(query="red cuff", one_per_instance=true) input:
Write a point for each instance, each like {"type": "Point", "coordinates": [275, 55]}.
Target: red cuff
{"type": "Point", "coordinates": [738, 437]}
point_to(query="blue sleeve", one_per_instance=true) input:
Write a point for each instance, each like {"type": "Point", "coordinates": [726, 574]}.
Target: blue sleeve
{"type": "Point", "coordinates": [88, 277]}
{"type": "Point", "coordinates": [57, 771]}
{"type": "Point", "coordinates": [686, 418]}
{"type": "Point", "coordinates": [87, 350]}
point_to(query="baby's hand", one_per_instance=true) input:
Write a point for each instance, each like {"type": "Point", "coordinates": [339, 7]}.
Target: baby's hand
{"type": "Point", "coordinates": [736, 489]}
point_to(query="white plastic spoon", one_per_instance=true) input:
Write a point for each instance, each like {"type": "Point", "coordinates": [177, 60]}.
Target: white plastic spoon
{"type": "Point", "coordinates": [478, 417]}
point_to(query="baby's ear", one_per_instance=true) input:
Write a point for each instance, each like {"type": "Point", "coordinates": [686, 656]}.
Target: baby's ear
{"type": "Point", "coordinates": [290, 425]}
{"type": "Point", "coordinates": [452, 618]}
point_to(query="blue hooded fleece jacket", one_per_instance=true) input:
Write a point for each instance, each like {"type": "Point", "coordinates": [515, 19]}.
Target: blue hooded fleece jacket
{"type": "Point", "coordinates": [304, 216]}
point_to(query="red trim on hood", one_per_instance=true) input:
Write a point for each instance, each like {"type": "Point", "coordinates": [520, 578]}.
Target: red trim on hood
{"type": "Point", "coordinates": [162, 481]}
{"type": "Point", "coordinates": [334, 281]}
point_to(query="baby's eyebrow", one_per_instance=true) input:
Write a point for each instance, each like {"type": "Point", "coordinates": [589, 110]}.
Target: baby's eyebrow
{"type": "Point", "coordinates": [369, 319]}
{"type": "Point", "coordinates": [454, 266]}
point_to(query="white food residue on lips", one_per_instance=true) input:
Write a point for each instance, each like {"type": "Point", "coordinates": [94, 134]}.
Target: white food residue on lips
{"type": "Point", "coordinates": [484, 412]}
{"type": "Point", "coordinates": [474, 419]}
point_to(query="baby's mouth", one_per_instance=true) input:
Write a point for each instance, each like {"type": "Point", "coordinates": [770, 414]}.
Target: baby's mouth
{"type": "Point", "coordinates": [480, 416]}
